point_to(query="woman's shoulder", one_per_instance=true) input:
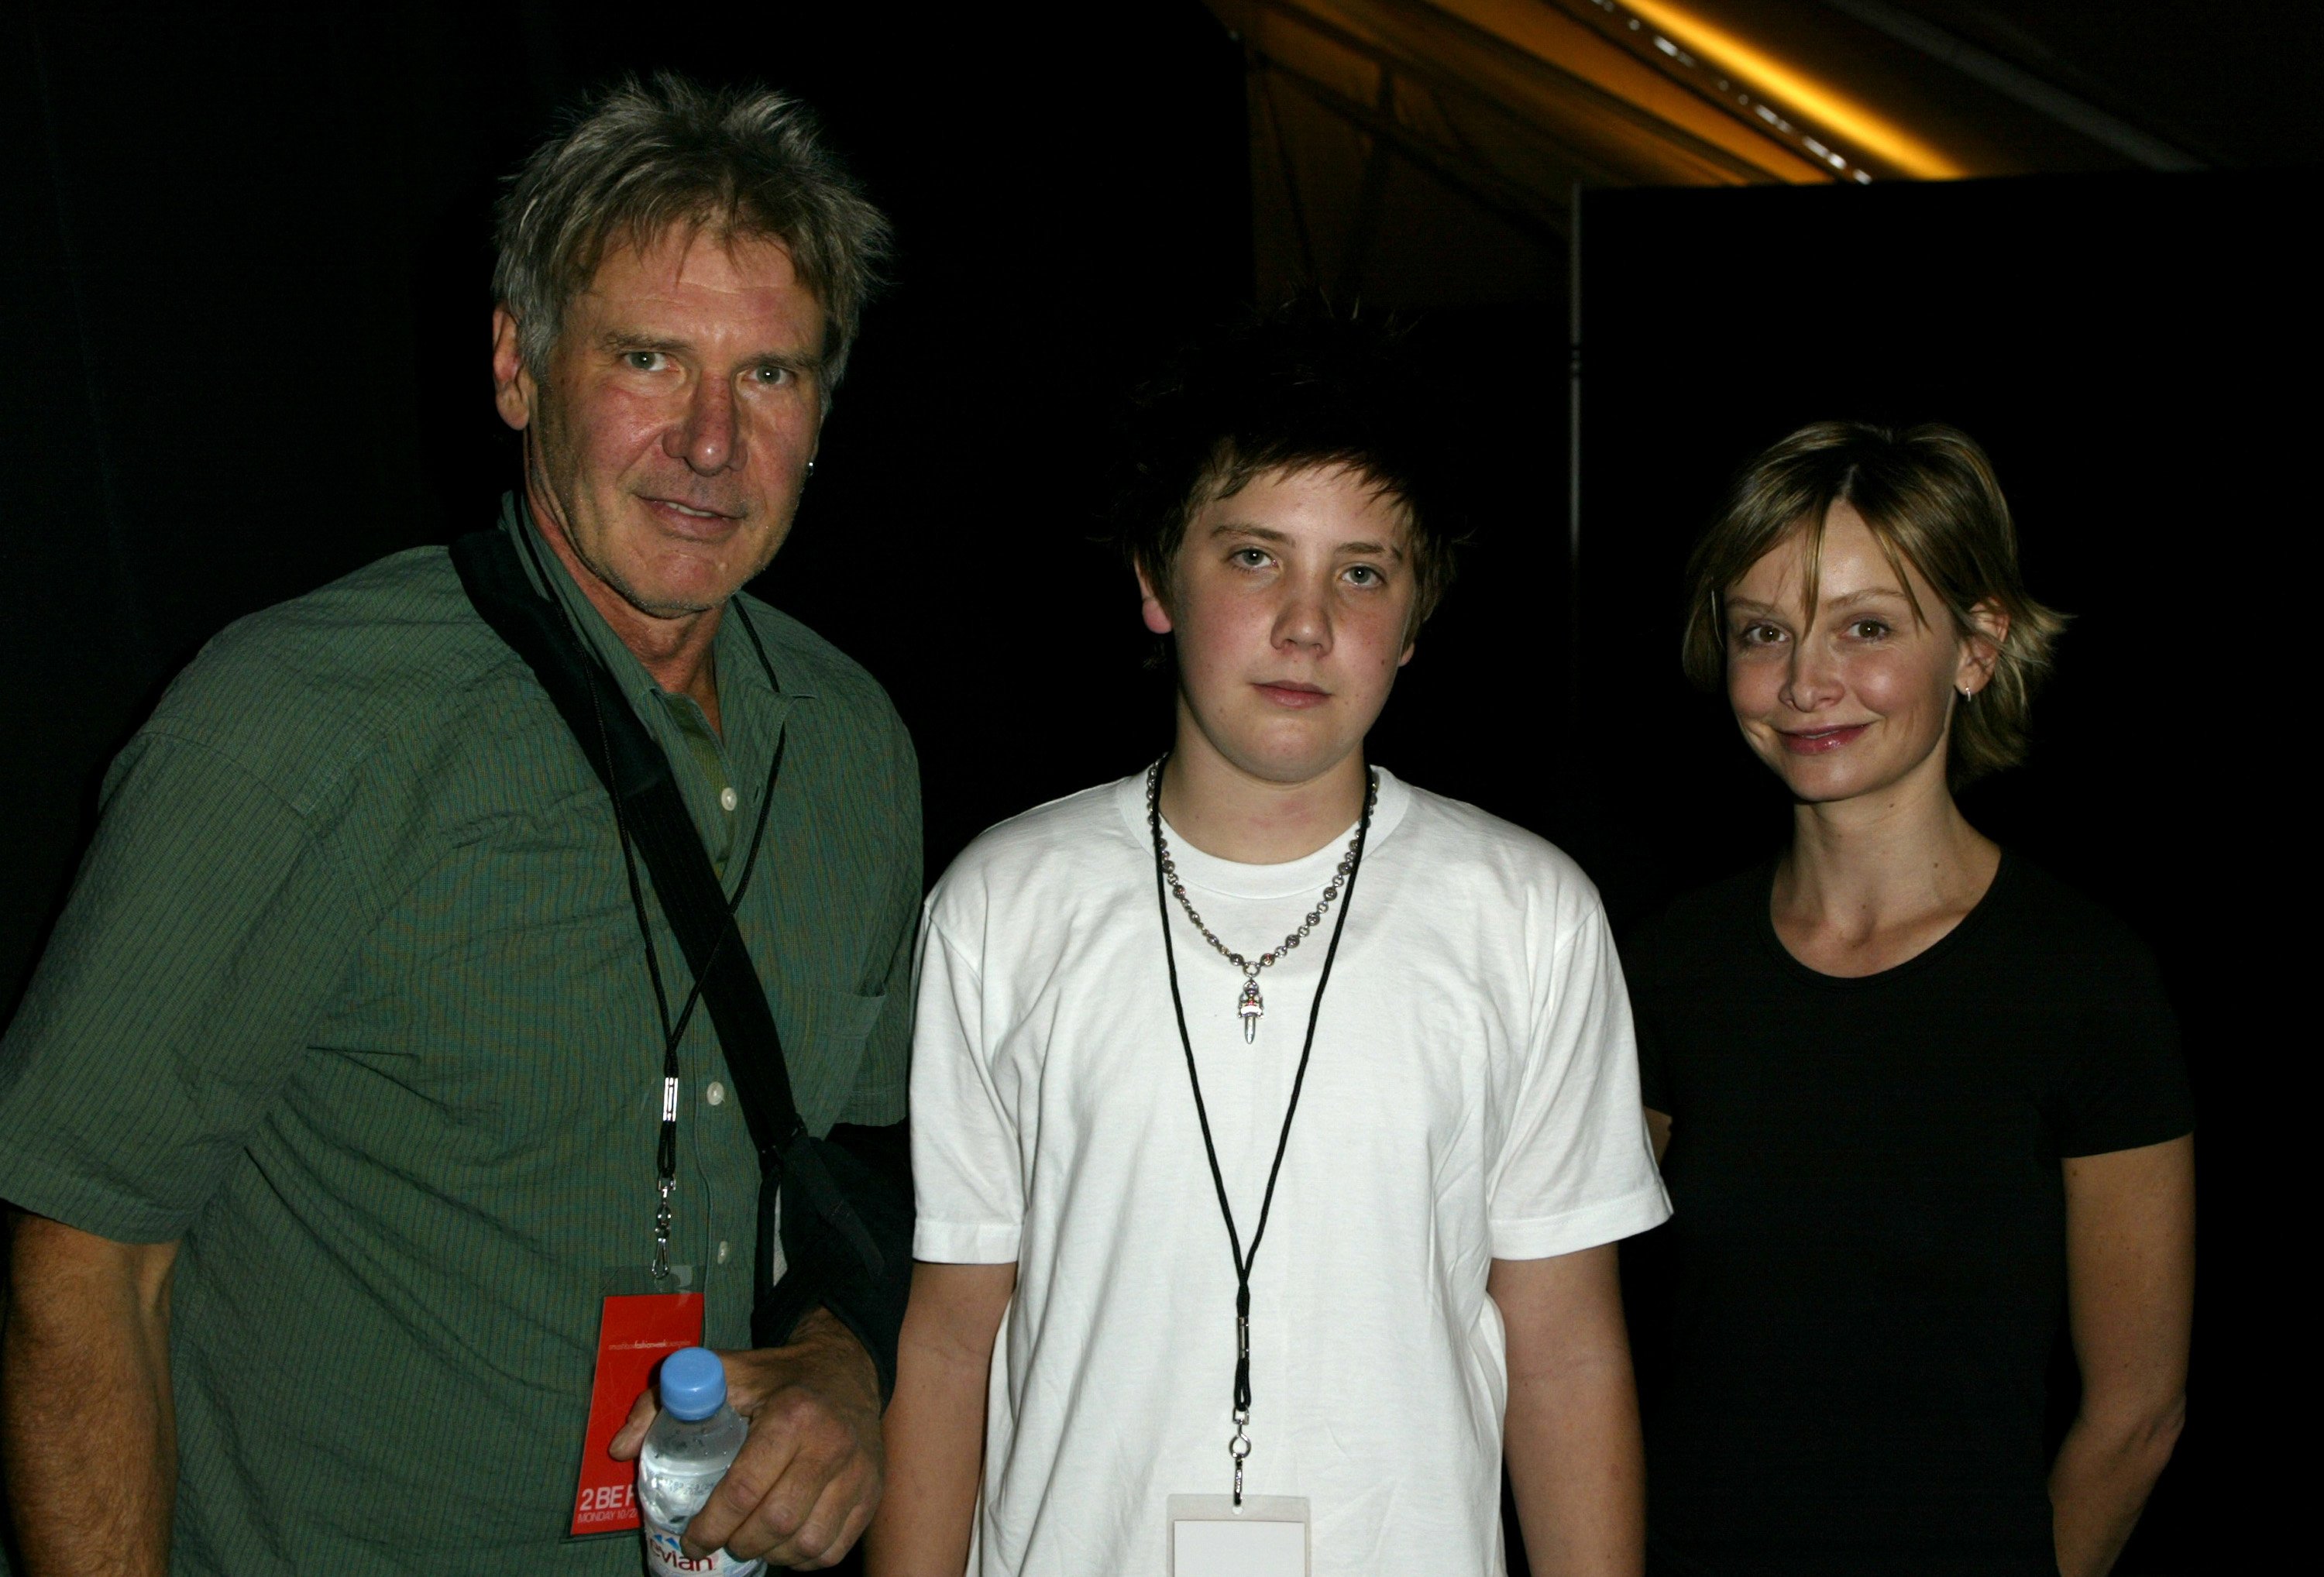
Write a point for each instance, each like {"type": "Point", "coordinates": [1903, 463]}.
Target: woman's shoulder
{"type": "Point", "coordinates": [2037, 914]}
{"type": "Point", "coordinates": [1711, 922]}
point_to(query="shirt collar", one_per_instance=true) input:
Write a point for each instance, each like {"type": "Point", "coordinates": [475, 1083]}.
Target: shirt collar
{"type": "Point", "coordinates": [737, 658]}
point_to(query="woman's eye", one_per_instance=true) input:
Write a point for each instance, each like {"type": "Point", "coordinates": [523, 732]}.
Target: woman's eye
{"type": "Point", "coordinates": [1868, 628]}
{"type": "Point", "coordinates": [1758, 635]}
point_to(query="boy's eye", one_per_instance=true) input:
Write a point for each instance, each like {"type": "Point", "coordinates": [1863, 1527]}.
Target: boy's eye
{"type": "Point", "coordinates": [1250, 558]}
{"type": "Point", "coordinates": [1364, 575]}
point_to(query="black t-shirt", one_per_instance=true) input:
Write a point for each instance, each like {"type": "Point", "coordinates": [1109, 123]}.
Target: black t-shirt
{"type": "Point", "coordinates": [1867, 1268]}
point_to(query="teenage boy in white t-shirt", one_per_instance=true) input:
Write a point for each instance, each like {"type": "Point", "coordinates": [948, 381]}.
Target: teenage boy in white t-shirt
{"type": "Point", "coordinates": [1097, 1085]}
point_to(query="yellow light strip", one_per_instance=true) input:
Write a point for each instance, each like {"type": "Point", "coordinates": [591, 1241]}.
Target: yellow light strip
{"type": "Point", "coordinates": [1838, 114]}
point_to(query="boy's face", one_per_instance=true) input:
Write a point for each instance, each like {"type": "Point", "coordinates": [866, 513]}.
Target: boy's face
{"type": "Point", "coordinates": [1291, 601]}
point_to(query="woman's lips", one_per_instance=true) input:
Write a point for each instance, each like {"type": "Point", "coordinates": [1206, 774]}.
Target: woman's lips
{"type": "Point", "coordinates": [1294, 695]}
{"type": "Point", "coordinates": [1818, 741]}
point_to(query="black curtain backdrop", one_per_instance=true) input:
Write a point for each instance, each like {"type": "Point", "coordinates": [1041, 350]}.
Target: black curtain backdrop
{"type": "Point", "coordinates": [2135, 353]}
{"type": "Point", "coordinates": [246, 281]}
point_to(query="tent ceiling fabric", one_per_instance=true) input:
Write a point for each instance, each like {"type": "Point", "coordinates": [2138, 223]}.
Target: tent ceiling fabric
{"type": "Point", "coordinates": [1475, 121]}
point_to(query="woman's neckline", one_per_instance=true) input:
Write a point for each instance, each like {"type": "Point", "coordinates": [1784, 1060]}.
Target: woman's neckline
{"type": "Point", "coordinates": [1942, 944]}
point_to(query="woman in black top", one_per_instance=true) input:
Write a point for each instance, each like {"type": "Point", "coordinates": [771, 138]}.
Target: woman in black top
{"type": "Point", "coordinates": [1917, 1102]}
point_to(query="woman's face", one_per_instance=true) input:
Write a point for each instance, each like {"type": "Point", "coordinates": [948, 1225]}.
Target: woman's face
{"type": "Point", "coordinates": [1854, 696]}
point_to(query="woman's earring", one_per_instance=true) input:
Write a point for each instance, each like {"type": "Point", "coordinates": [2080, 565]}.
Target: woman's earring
{"type": "Point", "coordinates": [810, 467]}
{"type": "Point", "coordinates": [1968, 697]}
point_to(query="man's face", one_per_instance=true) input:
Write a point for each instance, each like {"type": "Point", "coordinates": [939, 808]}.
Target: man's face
{"type": "Point", "coordinates": [1291, 601]}
{"type": "Point", "coordinates": [672, 431]}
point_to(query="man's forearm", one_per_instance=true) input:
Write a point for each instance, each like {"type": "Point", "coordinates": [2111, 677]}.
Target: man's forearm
{"type": "Point", "coordinates": [2098, 1485]}
{"type": "Point", "coordinates": [87, 1431]}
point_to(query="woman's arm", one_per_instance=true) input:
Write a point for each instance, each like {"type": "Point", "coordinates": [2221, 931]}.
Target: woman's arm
{"type": "Point", "coordinates": [935, 1421]}
{"type": "Point", "coordinates": [2130, 1288]}
{"type": "Point", "coordinates": [1574, 1455]}
{"type": "Point", "coordinates": [1658, 1127]}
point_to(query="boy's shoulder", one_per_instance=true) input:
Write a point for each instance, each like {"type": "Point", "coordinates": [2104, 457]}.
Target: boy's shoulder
{"type": "Point", "coordinates": [1074, 839]}
{"type": "Point", "coordinates": [1468, 851]}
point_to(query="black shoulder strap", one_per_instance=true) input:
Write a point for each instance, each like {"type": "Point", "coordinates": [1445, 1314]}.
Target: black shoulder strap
{"type": "Point", "coordinates": [634, 768]}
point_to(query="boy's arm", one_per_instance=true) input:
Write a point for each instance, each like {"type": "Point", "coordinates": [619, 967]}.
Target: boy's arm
{"type": "Point", "coordinates": [936, 1424]}
{"type": "Point", "coordinates": [1574, 1455]}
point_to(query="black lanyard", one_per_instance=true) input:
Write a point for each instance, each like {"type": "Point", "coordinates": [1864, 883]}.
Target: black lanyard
{"type": "Point", "coordinates": [1239, 1447]}
{"type": "Point", "coordinates": [666, 1147]}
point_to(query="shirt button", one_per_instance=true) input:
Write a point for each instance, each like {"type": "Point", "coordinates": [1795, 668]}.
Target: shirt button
{"type": "Point", "coordinates": [727, 798]}
{"type": "Point", "coordinates": [715, 1094]}
{"type": "Point", "coordinates": [722, 1250]}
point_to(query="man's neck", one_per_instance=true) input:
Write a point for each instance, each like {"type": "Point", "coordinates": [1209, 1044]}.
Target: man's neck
{"type": "Point", "coordinates": [1229, 813]}
{"type": "Point", "coordinates": [679, 652]}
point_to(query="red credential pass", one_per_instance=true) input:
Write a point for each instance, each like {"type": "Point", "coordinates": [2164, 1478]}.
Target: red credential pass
{"type": "Point", "coordinates": [636, 1331]}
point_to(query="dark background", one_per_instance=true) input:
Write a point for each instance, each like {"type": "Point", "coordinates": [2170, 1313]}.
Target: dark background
{"type": "Point", "coordinates": [247, 260]}
{"type": "Point", "coordinates": [2135, 352]}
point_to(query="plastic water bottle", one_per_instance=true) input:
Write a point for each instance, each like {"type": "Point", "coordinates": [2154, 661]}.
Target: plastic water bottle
{"type": "Point", "coordinates": [693, 1441]}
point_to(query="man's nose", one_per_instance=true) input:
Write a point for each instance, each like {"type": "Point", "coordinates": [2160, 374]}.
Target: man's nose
{"type": "Point", "coordinates": [707, 436]}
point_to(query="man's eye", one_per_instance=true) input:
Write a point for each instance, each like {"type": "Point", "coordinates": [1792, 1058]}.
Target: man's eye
{"type": "Point", "coordinates": [772, 377]}
{"type": "Point", "coordinates": [642, 361]}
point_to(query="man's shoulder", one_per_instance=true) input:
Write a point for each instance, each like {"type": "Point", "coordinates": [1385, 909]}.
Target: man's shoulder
{"type": "Point", "coordinates": [324, 677]}
{"type": "Point", "coordinates": [806, 661]}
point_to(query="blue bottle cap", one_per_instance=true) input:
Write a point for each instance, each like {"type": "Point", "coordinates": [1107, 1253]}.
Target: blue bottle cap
{"type": "Point", "coordinates": [693, 1383]}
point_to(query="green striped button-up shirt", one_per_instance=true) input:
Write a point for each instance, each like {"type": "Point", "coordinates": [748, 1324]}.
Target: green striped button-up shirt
{"type": "Point", "coordinates": [349, 999]}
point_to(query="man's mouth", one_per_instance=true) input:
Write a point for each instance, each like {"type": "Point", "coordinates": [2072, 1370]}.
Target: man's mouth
{"type": "Point", "coordinates": [689, 519]}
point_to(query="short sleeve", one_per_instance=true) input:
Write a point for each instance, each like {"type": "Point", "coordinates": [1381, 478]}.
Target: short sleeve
{"type": "Point", "coordinates": [205, 931]}
{"type": "Point", "coordinates": [969, 1190]}
{"type": "Point", "coordinates": [1576, 1168]}
{"type": "Point", "coordinates": [2125, 1081]}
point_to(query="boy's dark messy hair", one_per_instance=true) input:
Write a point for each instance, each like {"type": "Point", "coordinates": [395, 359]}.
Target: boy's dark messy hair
{"type": "Point", "coordinates": [1302, 387]}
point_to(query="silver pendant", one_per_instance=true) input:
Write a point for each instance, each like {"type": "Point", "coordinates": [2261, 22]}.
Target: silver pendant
{"type": "Point", "coordinates": [1251, 1009]}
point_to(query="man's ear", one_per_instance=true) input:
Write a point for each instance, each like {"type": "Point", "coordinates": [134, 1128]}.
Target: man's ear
{"type": "Point", "coordinates": [1151, 607]}
{"type": "Point", "coordinates": [1981, 647]}
{"type": "Point", "coordinates": [512, 386]}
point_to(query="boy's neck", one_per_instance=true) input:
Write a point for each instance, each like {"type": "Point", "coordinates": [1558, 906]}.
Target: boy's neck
{"type": "Point", "coordinates": [1230, 813]}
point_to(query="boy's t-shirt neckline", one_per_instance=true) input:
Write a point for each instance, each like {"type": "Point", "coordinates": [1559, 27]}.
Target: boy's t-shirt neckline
{"type": "Point", "coordinates": [1305, 877]}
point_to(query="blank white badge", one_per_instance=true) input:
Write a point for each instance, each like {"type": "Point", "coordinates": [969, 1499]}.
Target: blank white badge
{"type": "Point", "coordinates": [1209, 1536]}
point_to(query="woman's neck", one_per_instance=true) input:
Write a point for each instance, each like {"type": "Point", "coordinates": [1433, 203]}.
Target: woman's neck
{"type": "Point", "coordinates": [1870, 882]}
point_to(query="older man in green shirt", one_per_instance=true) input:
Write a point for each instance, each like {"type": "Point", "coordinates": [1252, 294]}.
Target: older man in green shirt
{"type": "Point", "coordinates": [335, 1103]}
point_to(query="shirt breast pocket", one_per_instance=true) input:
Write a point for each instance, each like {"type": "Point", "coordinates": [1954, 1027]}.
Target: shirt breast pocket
{"type": "Point", "coordinates": [826, 1035]}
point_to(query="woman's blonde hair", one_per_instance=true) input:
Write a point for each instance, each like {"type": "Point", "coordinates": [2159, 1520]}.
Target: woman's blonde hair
{"type": "Point", "coordinates": [1930, 498]}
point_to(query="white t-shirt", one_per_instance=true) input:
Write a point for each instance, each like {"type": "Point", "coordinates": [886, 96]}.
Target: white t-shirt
{"type": "Point", "coordinates": [1474, 1095]}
